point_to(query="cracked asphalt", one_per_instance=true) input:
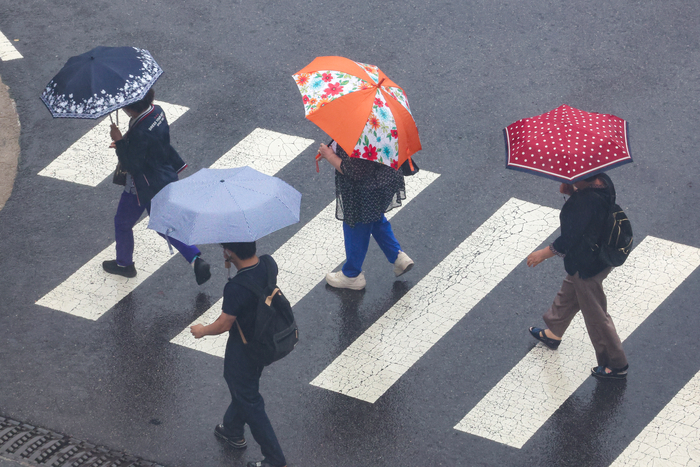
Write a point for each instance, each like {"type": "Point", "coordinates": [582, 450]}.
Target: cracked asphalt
{"type": "Point", "coordinates": [469, 69]}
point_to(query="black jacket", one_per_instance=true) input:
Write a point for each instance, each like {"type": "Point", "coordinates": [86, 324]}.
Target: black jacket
{"type": "Point", "coordinates": [145, 152]}
{"type": "Point", "coordinates": [582, 220]}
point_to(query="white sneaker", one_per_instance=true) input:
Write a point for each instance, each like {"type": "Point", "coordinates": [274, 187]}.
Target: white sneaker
{"type": "Point", "coordinates": [341, 281]}
{"type": "Point", "coordinates": [402, 264]}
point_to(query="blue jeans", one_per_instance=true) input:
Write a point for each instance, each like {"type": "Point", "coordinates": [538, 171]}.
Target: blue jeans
{"type": "Point", "coordinates": [247, 405]}
{"type": "Point", "coordinates": [357, 242]}
{"type": "Point", "coordinates": [128, 213]}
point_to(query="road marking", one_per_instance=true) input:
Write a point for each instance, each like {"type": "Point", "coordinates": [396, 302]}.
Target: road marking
{"type": "Point", "coordinates": [7, 50]}
{"type": "Point", "coordinates": [90, 160]}
{"type": "Point", "coordinates": [673, 438]}
{"type": "Point", "coordinates": [90, 292]}
{"type": "Point", "coordinates": [380, 356]}
{"type": "Point", "coordinates": [303, 262]}
{"type": "Point", "coordinates": [535, 388]}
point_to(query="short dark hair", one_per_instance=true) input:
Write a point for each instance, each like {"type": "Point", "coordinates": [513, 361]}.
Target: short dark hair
{"type": "Point", "coordinates": [243, 250]}
{"type": "Point", "coordinates": [143, 104]}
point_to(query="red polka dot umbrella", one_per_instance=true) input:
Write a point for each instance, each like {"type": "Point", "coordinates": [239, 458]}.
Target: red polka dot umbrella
{"type": "Point", "coordinates": [567, 144]}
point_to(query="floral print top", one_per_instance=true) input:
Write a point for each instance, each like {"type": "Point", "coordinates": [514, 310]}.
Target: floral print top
{"type": "Point", "coordinates": [365, 190]}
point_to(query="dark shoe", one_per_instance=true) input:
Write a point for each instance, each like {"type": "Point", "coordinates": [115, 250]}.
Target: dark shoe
{"type": "Point", "coordinates": [237, 443]}
{"type": "Point", "coordinates": [260, 464]}
{"type": "Point", "coordinates": [201, 271]}
{"type": "Point", "coordinates": [113, 268]}
{"type": "Point", "coordinates": [539, 334]}
{"type": "Point", "coordinates": [615, 373]}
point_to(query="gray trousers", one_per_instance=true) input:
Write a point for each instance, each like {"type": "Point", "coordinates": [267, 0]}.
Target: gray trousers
{"type": "Point", "coordinates": [588, 296]}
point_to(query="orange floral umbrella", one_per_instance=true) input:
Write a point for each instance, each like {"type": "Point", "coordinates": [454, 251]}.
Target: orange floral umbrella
{"type": "Point", "coordinates": [365, 112]}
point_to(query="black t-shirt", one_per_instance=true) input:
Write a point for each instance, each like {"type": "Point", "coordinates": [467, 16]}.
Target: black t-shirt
{"type": "Point", "coordinates": [241, 302]}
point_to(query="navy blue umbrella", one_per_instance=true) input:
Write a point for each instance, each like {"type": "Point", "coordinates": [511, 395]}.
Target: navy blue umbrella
{"type": "Point", "coordinates": [100, 81]}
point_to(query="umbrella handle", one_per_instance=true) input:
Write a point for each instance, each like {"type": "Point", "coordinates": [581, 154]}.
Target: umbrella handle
{"type": "Point", "coordinates": [167, 239]}
{"type": "Point", "coordinates": [318, 157]}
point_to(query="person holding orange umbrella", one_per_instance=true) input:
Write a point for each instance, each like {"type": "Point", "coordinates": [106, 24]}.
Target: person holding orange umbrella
{"type": "Point", "coordinates": [369, 119]}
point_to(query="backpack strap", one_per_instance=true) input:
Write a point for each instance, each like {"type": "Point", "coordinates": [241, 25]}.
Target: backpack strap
{"type": "Point", "coordinates": [271, 269]}
{"type": "Point", "coordinates": [258, 291]}
{"type": "Point", "coordinates": [240, 331]}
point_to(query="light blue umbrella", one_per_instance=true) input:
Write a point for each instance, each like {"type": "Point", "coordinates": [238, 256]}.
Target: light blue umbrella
{"type": "Point", "coordinates": [224, 205]}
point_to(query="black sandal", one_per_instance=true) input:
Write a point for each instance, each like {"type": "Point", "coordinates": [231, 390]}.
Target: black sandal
{"type": "Point", "coordinates": [539, 334]}
{"type": "Point", "coordinates": [615, 373]}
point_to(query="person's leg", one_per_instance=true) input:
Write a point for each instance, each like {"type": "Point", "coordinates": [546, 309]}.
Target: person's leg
{"type": "Point", "coordinates": [356, 244]}
{"type": "Point", "coordinates": [128, 213]}
{"type": "Point", "coordinates": [190, 252]}
{"type": "Point", "coordinates": [234, 421]}
{"type": "Point", "coordinates": [251, 406]}
{"type": "Point", "coordinates": [600, 326]}
{"type": "Point", "coordinates": [563, 309]}
{"type": "Point", "coordinates": [384, 236]}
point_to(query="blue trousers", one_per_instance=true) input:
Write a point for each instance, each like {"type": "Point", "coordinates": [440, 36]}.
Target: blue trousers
{"type": "Point", "coordinates": [357, 242]}
{"type": "Point", "coordinates": [128, 213]}
{"type": "Point", "coordinates": [247, 405]}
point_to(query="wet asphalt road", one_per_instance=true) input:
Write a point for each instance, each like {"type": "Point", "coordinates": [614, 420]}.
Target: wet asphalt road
{"type": "Point", "coordinates": [469, 69]}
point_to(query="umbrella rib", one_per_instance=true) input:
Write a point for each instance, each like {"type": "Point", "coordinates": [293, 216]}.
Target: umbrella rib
{"type": "Point", "coordinates": [250, 231]}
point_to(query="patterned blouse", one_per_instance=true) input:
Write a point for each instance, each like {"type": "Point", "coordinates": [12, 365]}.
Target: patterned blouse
{"type": "Point", "coordinates": [365, 190]}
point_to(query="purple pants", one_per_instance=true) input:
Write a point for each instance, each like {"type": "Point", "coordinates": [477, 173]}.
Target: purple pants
{"type": "Point", "coordinates": [128, 213]}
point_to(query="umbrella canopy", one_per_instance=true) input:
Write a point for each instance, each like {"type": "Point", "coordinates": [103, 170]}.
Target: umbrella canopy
{"type": "Point", "coordinates": [567, 144]}
{"type": "Point", "coordinates": [224, 205]}
{"type": "Point", "coordinates": [365, 112]}
{"type": "Point", "coordinates": [100, 81]}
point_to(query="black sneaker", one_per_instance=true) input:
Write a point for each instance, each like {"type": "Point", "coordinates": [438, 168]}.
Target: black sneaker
{"type": "Point", "coordinates": [237, 443]}
{"type": "Point", "coordinates": [113, 268]}
{"type": "Point", "coordinates": [201, 271]}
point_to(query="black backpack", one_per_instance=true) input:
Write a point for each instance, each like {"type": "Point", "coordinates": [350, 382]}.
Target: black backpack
{"type": "Point", "coordinates": [616, 238]}
{"type": "Point", "coordinates": [276, 331]}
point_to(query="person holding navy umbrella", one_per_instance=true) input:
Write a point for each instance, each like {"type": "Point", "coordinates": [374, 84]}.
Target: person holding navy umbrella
{"type": "Point", "coordinates": [150, 163]}
{"type": "Point", "coordinates": [104, 80]}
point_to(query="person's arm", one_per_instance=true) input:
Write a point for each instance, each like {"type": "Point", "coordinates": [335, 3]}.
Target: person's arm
{"type": "Point", "coordinates": [222, 324]}
{"type": "Point", "coordinates": [536, 257]}
{"type": "Point", "coordinates": [328, 154]}
{"type": "Point", "coordinates": [575, 216]}
{"type": "Point", "coordinates": [132, 150]}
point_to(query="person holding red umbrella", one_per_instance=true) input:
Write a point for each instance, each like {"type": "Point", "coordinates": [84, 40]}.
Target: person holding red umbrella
{"type": "Point", "coordinates": [574, 146]}
{"type": "Point", "coordinates": [370, 121]}
{"type": "Point", "coordinates": [582, 220]}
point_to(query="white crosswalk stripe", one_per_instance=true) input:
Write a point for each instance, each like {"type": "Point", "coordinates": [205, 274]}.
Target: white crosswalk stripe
{"type": "Point", "coordinates": [303, 262]}
{"type": "Point", "coordinates": [535, 388]}
{"type": "Point", "coordinates": [7, 50]}
{"type": "Point", "coordinates": [672, 439]}
{"type": "Point", "coordinates": [90, 292]}
{"type": "Point", "coordinates": [513, 411]}
{"type": "Point", "coordinates": [378, 358]}
{"type": "Point", "coordinates": [90, 160]}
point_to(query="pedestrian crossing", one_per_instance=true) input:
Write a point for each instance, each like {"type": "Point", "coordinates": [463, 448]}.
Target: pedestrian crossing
{"type": "Point", "coordinates": [303, 262]}
{"type": "Point", "coordinates": [7, 50]}
{"type": "Point", "coordinates": [90, 292]}
{"type": "Point", "coordinates": [372, 364]}
{"type": "Point", "coordinates": [90, 160]}
{"type": "Point", "coordinates": [672, 439]}
{"type": "Point", "coordinates": [378, 358]}
{"type": "Point", "coordinates": [536, 387]}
